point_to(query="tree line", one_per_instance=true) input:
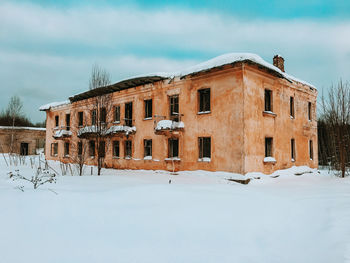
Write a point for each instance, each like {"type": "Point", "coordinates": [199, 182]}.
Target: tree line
{"type": "Point", "coordinates": [13, 115]}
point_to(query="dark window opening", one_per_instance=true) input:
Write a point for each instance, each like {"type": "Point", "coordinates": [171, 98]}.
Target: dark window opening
{"type": "Point", "coordinates": [128, 114]}
{"type": "Point", "coordinates": [80, 118]}
{"type": "Point", "coordinates": [147, 147]}
{"type": "Point", "coordinates": [268, 147]}
{"type": "Point", "coordinates": [67, 122]}
{"type": "Point", "coordinates": [292, 107]}
{"type": "Point", "coordinates": [103, 115]}
{"type": "Point", "coordinates": [204, 147]}
{"type": "Point", "coordinates": [311, 150]}
{"type": "Point", "coordinates": [93, 117]}
{"type": "Point", "coordinates": [268, 100]}
{"type": "Point", "coordinates": [92, 148]}
{"type": "Point", "coordinates": [80, 148]}
{"type": "Point", "coordinates": [204, 100]}
{"type": "Point", "coordinates": [54, 149]}
{"type": "Point", "coordinates": [173, 147]}
{"type": "Point", "coordinates": [115, 148]}
{"type": "Point", "coordinates": [174, 108]}
{"type": "Point", "coordinates": [148, 108]}
{"type": "Point", "coordinates": [127, 149]}
{"type": "Point", "coordinates": [292, 149]}
{"type": "Point", "coordinates": [309, 111]}
{"type": "Point", "coordinates": [117, 114]}
{"type": "Point", "coordinates": [66, 149]}
{"type": "Point", "coordinates": [24, 150]}
{"type": "Point", "coordinates": [102, 149]}
{"type": "Point", "coordinates": [57, 121]}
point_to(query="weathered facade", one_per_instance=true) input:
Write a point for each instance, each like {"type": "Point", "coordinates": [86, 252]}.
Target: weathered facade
{"type": "Point", "coordinates": [24, 140]}
{"type": "Point", "coordinates": [234, 113]}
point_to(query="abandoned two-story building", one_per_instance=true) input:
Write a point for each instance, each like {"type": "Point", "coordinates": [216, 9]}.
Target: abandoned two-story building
{"type": "Point", "coordinates": [233, 113]}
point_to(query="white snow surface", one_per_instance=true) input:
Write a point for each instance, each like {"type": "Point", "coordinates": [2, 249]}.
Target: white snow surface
{"type": "Point", "coordinates": [269, 160]}
{"type": "Point", "coordinates": [53, 105]}
{"type": "Point", "coordinates": [169, 125]}
{"type": "Point", "coordinates": [22, 128]}
{"type": "Point", "coordinates": [137, 216]}
{"type": "Point", "coordinates": [121, 128]}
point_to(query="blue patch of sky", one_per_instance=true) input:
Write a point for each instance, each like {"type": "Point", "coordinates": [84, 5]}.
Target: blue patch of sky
{"type": "Point", "coordinates": [287, 9]}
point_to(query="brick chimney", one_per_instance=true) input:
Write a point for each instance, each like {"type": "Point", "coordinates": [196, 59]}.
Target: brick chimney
{"type": "Point", "coordinates": [278, 61]}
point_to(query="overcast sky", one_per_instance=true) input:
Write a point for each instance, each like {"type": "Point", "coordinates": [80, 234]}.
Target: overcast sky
{"type": "Point", "coordinates": [47, 48]}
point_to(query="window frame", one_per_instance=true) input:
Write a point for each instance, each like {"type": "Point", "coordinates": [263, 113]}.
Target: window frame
{"type": "Point", "coordinates": [54, 149]}
{"type": "Point", "coordinates": [268, 100]}
{"type": "Point", "coordinates": [93, 117]}
{"type": "Point", "coordinates": [80, 118]}
{"type": "Point", "coordinates": [171, 148]}
{"type": "Point", "coordinates": [148, 109]}
{"type": "Point", "coordinates": [66, 149]}
{"type": "Point", "coordinates": [291, 107]}
{"type": "Point", "coordinates": [309, 110]}
{"type": "Point", "coordinates": [173, 104]}
{"type": "Point", "coordinates": [127, 149]}
{"type": "Point", "coordinates": [92, 148]}
{"type": "Point", "coordinates": [67, 121]}
{"type": "Point", "coordinates": [116, 115]}
{"type": "Point", "coordinates": [115, 153]}
{"type": "Point", "coordinates": [204, 103]}
{"type": "Point", "coordinates": [268, 146]}
{"type": "Point", "coordinates": [311, 150]}
{"type": "Point", "coordinates": [147, 147]}
{"type": "Point", "coordinates": [57, 121]}
{"type": "Point", "coordinates": [128, 113]}
{"type": "Point", "coordinates": [202, 147]}
{"type": "Point", "coordinates": [292, 149]}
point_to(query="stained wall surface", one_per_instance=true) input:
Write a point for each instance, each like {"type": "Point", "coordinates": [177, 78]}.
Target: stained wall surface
{"type": "Point", "coordinates": [236, 123]}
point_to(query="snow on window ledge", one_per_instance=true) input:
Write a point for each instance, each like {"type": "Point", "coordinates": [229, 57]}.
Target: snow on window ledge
{"type": "Point", "coordinates": [292, 160]}
{"type": "Point", "coordinates": [116, 157]}
{"type": "Point", "coordinates": [116, 122]}
{"type": "Point", "coordinates": [269, 160]}
{"type": "Point", "coordinates": [269, 113]}
{"type": "Point", "coordinates": [147, 158]}
{"type": "Point", "coordinates": [172, 159]}
{"type": "Point", "coordinates": [203, 112]}
{"type": "Point", "coordinates": [291, 117]}
{"type": "Point", "coordinates": [92, 157]}
{"type": "Point", "coordinates": [127, 157]}
{"type": "Point", "coordinates": [148, 118]}
{"type": "Point", "coordinates": [66, 156]}
{"type": "Point", "coordinates": [204, 160]}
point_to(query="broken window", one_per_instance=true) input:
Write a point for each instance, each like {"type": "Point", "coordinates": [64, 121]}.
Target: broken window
{"type": "Point", "coordinates": [174, 107]}
{"type": "Point", "coordinates": [204, 144]}
{"type": "Point", "coordinates": [93, 117]}
{"type": "Point", "coordinates": [115, 148]}
{"type": "Point", "coordinates": [57, 120]}
{"type": "Point", "coordinates": [66, 149]}
{"type": "Point", "coordinates": [148, 108]}
{"type": "Point", "coordinates": [103, 115]}
{"type": "Point", "coordinates": [204, 100]}
{"type": "Point", "coordinates": [291, 106]}
{"type": "Point", "coordinates": [117, 114]}
{"type": "Point", "coordinates": [311, 150]}
{"type": "Point", "coordinates": [127, 149]}
{"type": "Point", "coordinates": [147, 147]}
{"type": "Point", "coordinates": [309, 110]}
{"type": "Point", "coordinates": [128, 114]}
{"type": "Point", "coordinates": [102, 149]}
{"type": "Point", "coordinates": [292, 149]}
{"type": "Point", "coordinates": [67, 122]}
{"type": "Point", "coordinates": [92, 148]}
{"type": "Point", "coordinates": [268, 100]}
{"type": "Point", "coordinates": [173, 147]}
{"type": "Point", "coordinates": [268, 147]}
{"type": "Point", "coordinates": [80, 118]}
{"type": "Point", "coordinates": [54, 149]}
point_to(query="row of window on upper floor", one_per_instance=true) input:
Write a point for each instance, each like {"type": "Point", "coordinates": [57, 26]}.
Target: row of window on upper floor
{"type": "Point", "coordinates": [100, 115]}
{"type": "Point", "coordinates": [268, 107]}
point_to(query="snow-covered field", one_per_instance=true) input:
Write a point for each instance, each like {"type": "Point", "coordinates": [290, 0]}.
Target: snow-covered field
{"type": "Point", "coordinates": [137, 216]}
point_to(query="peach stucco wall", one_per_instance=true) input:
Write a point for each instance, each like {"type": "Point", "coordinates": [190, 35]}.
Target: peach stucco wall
{"type": "Point", "coordinates": [235, 124]}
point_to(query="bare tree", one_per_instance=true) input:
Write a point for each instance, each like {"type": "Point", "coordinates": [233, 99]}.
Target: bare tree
{"type": "Point", "coordinates": [336, 118]}
{"type": "Point", "coordinates": [80, 154]}
{"type": "Point", "coordinates": [101, 111]}
{"type": "Point", "coordinates": [14, 110]}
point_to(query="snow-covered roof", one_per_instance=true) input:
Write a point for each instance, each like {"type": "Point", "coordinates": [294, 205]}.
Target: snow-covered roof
{"type": "Point", "coordinates": [53, 105]}
{"type": "Point", "coordinates": [22, 128]}
{"type": "Point", "coordinates": [219, 61]}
